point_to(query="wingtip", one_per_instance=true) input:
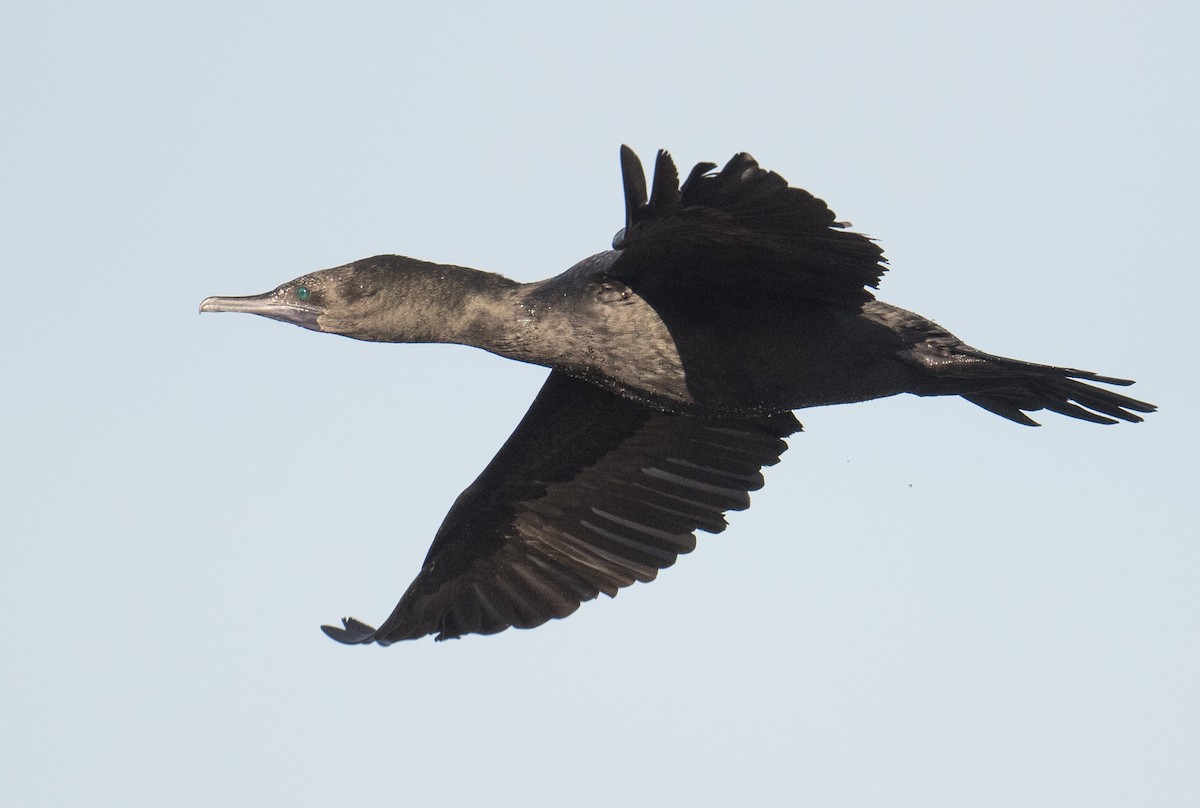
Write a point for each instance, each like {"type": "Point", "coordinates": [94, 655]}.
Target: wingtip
{"type": "Point", "coordinates": [665, 189]}
{"type": "Point", "coordinates": [633, 177]}
{"type": "Point", "coordinates": [352, 632]}
{"type": "Point", "coordinates": [633, 180]}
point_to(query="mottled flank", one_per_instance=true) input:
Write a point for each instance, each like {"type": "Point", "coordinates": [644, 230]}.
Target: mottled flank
{"type": "Point", "coordinates": [676, 360]}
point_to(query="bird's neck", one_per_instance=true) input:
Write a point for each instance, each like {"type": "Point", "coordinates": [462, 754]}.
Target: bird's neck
{"type": "Point", "coordinates": [434, 303]}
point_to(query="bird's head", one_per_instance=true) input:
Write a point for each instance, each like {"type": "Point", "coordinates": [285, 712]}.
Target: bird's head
{"type": "Point", "coordinates": [377, 299]}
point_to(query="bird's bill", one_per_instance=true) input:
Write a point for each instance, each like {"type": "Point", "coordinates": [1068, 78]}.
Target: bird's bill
{"type": "Point", "coordinates": [265, 305]}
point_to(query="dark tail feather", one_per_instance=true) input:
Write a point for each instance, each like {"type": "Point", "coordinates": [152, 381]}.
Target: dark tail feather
{"type": "Point", "coordinates": [1010, 388]}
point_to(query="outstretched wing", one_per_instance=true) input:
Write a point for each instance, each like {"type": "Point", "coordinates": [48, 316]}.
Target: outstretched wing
{"type": "Point", "coordinates": [590, 493]}
{"type": "Point", "coordinates": [741, 232]}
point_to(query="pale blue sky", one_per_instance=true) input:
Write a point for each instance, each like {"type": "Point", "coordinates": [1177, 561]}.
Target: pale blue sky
{"type": "Point", "coordinates": [926, 606]}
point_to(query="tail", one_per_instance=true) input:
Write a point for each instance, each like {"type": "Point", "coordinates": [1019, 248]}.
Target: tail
{"type": "Point", "coordinates": [1010, 388]}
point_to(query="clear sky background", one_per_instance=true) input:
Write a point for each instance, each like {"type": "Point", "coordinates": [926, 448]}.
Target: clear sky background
{"type": "Point", "coordinates": [926, 606]}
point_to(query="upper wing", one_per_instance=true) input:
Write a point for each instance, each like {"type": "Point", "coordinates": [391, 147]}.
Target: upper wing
{"type": "Point", "coordinates": [590, 493]}
{"type": "Point", "coordinates": [740, 232]}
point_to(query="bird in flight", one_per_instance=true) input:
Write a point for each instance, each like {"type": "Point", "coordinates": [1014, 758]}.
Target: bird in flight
{"type": "Point", "coordinates": [676, 360]}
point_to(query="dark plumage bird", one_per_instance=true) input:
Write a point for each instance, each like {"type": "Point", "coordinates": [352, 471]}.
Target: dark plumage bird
{"type": "Point", "coordinates": [676, 359]}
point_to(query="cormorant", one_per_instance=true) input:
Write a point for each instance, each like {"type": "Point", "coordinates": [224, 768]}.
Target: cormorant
{"type": "Point", "coordinates": [676, 360]}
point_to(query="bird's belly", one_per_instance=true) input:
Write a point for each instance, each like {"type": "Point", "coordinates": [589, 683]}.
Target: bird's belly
{"type": "Point", "coordinates": [763, 379]}
{"type": "Point", "coordinates": [776, 361]}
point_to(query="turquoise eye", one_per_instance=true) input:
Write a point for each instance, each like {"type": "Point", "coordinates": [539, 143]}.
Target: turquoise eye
{"type": "Point", "coordinates": [302, 292]}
